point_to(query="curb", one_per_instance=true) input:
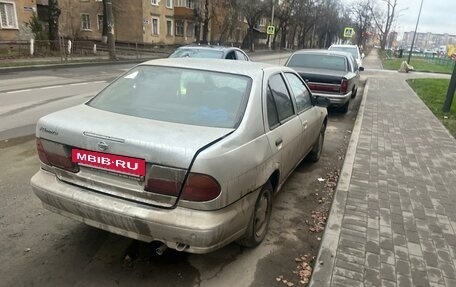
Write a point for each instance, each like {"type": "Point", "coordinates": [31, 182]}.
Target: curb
{"type": "Point", "coordinates": [324, 264]}
{"type": "Point", "coordinates": [70, 65]}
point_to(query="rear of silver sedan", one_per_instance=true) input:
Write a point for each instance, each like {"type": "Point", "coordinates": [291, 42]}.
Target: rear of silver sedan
{"type": "Point", "coordinates": [127, 161]}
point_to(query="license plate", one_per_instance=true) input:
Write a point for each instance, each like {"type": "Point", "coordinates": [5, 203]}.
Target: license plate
{"type": "Point", "coordinates": [111, 162]}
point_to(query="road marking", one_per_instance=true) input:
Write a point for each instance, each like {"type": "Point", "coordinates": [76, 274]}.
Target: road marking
{"type": "Point", "coordinates": [18, 91]}
{"type": "Point", "coordinates": [50, 87]}
{"type": "Point", "coordinates": [78, 84]}
{"type": "Point", "coordinates": [53, 87]}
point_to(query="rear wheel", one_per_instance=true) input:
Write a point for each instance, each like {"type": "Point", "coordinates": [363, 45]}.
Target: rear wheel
{"type": "Point", "coordinates": [354, 93]}
{"type": "Point", "coordinates": [344, 108]}
{"type": "Point", "coordinates": [315, 154]}
{"type": "Point", "coordinates": [259, 223]}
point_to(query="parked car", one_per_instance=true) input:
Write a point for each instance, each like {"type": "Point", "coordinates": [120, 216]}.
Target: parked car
{"type": "Point", "coordinates": [208, 51]}
{"type": "Point", "coordinates": [188, 152]}
{"type": "Point", "coordinates": [331, 74]}
{"type": "Point", "coordinates": [352, 49]}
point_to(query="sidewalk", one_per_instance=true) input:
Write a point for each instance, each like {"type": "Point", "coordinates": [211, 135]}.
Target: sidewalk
{"type": "Point", "coordinates": [393, 219]}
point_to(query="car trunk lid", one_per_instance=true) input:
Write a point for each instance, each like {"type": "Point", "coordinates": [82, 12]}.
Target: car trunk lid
{"type": "Point", "coordinates": [91, 131]}
{"type": "Point", "coordinates": [322, 80]}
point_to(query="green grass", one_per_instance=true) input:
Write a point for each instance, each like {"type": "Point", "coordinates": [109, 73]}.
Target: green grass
{"type": "Point", "coordinates": [433, 93]}
{"type": "Point", "coordinates": [418, 63]}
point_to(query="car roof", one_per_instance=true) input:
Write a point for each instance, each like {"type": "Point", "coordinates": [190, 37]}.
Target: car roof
{"type": "Point", "coordinates": [208, 47]}
{"type": "Point", "coordinates": [343, 45]}
{"type": "Point", "coordinates": [217, 65]}
{"type": "Point", "coordinates": [322, 52]}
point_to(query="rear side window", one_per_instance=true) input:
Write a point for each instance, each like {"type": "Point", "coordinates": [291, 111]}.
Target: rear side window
{"type": "Point", "coordinates": [240, 56]}
{"type": "Point", "coordinates": [300, 92]}
{"type": "Point", "coordinates": [281, 99]}
{"type": "Point", "coordinates": [178, 95]}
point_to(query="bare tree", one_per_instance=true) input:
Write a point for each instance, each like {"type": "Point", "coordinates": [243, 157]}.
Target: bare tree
{"type": "Point", "coordinates": [225, 15]}
{"type": "Point", "coordinates": [363, 20]}
{"type": "Point", "coordinates": [252, 10]}
{"type": "Point", "coordinates": [384, 18]}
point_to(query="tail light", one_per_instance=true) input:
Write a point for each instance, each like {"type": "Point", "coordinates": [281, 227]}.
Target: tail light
{"type": "Point", "coordinates": [55, 154]}
{"type": "Point", "coordinates": [200, 187]}
{"type": "Point", "coordinates": [344, 86]}
{"type": "Point", "coordinates": [168, 181]}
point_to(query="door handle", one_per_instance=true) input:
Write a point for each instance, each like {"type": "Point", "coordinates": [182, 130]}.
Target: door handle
{"type": "Point", "coordinates": [305, 124]}
{"type": "Point", "coordinates": [278, 141]}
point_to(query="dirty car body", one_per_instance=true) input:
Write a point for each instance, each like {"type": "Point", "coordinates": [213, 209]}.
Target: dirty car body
{"type": "Point", "coordinates": [182, 151]}
{"type": "Point", "coordinates": [331, 74]}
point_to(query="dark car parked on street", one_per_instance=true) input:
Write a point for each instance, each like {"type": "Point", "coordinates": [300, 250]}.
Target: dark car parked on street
{"type": "Point", "coordinates": [331, 74]}
{"type": "Point", "coordinates": [208, 51]}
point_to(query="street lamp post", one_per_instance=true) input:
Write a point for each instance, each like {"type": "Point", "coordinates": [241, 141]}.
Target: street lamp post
{"type": "Point", "coordinates": [414, 34]}
{"type": "Point", "coordinates": [272, 24]}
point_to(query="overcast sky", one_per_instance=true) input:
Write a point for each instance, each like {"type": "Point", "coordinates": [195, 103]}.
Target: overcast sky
{"type": "Point", "coordinates": [437, 16]}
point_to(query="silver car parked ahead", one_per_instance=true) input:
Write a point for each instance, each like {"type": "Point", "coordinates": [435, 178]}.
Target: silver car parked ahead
{"type": "Point", "coordinates": [188, 152]}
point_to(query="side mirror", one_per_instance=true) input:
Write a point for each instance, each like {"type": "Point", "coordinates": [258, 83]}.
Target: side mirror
{"type": "Point", "coordinates": [362, 56]}
{"type": "Point", "coordinates": [361, 69]}
{"type": "Point", "coordinates": [322, 102]}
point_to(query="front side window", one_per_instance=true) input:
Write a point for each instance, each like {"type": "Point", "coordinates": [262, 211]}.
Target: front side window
{"type": "Point", "coordinates": [187, 96]}
{"type": "Point", "coordinates": [85, 22]}
{"type": "Point", "coordinates": [8, 15]}
{"type": "Point", "coordinates": [281, 97]}
{"type": "Point", "coordinates": [300, 92]}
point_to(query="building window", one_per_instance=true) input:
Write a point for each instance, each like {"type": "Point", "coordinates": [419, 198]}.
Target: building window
{"type": "Point", "coordinates": [8, 15]}
{"type": "Point", "coordinates": [190, 29]}
{"type": "Point", "coordinates": [169, 3]}
{"type": "Point", "coordinates": [100, 22]}
{"type": "Point", "coordinates": [85, 22]}
{"type": "Point", "coordinates": [169, 27]}
{"type": "Point", "coordinates": [262, 22]}
{"type": "Point", "coordinates": [190, 4]}
{"type": "Point", "coordinates": [179, 28]}
{"type": "Point", "coordinates": [155, 26]}
{"type": "Point", "coordinates": [154, 2]}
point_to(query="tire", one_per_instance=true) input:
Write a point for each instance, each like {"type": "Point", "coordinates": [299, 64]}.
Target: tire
{"type": "Point", "coordinates": [344, 108]}
{"type": "Point", "coordinates": [354, 93]}
{"type": "Point", "coordinates": [259, 222]}
{"type": "Point", "coordinates": [317, 149]}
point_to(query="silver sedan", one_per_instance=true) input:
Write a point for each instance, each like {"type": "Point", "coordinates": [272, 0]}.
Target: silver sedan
{"type": "Point", "coordinates": [188, 152]}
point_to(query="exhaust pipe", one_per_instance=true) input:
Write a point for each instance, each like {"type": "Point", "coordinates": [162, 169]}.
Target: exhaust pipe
{"type": "Point", "coordinates": [181, 246]}
{"type": "Point", "coordinates": [161, 249]}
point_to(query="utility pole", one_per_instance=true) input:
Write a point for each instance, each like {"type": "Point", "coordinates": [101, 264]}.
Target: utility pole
{"type": "Point", "coordinates": [272, 24]}
{"type": "Point", "coordinates": [451, 90]}
{"type": "Point", "coordinates": [110, 25]}
{"type": "Point", "coordinates": [414, 34]}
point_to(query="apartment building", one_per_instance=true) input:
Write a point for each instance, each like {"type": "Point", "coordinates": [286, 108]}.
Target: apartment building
{"type": "Point", "coordinates": [14, 17]}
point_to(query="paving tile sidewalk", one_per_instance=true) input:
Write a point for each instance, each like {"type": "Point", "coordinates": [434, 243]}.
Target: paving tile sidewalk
{"type": "Point", "coordinates": [393, 220]}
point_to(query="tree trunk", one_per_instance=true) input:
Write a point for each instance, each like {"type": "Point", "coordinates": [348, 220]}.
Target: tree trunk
{"type": "Point", "coordinates": [206, 21]}
{"type": "Point", "coordinates": [111, 39]}
{"type": "Point", "coordinates": [54, 13]}
{"type": "Point", "coordinates": [105, 24]}
{"type": "Point", "coordinates": [252, 44]}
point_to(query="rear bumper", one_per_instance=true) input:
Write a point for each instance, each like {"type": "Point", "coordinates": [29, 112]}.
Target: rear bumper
{"type": "Point", "coordinates": [201, 231]}
{"type": "Point", "coordinates": [335, 100]}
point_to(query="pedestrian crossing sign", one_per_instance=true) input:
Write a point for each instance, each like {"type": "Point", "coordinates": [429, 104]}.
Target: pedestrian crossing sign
{"type": "Point", "coordinates": [270, 30]}
{"type": "Point", "coordinates": [349, 32]}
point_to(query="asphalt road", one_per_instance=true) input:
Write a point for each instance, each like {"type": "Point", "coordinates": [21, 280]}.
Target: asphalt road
{"type": "Point", "coordinates": [39, 248]}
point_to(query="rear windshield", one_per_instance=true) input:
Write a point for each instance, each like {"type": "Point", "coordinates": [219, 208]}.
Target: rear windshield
{"type": "Point", "coordinates": [318, 62]}
{"type": "Point", "coordinates": [351, 50]}
{"type": "Point", "coordinates": [178, 95]}
{"type": "Point", "coordinates": [196, 53]}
